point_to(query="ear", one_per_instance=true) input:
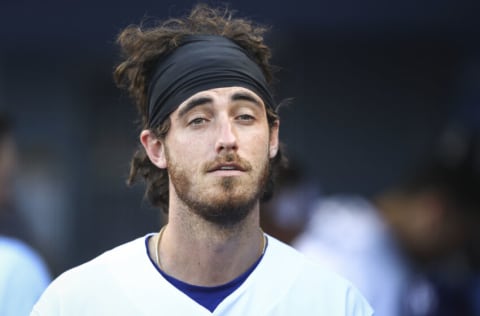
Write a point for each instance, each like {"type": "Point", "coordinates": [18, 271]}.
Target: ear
{"type": "Point", "coordinates": [154, 148]}
{"type": "Point", "coordinates": [274, 142]}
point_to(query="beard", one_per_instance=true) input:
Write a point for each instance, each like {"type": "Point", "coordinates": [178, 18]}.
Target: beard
{"type": "Point", "coordinates": [232, 200]}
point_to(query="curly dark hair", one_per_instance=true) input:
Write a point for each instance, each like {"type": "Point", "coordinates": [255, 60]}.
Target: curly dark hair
{"type": "Point", "coordinates": [143, 46]}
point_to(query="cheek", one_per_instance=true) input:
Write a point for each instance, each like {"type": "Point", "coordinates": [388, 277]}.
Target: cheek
{"type": "Point", "coordinates": [257, 147]}
{"type": "Point", "coordinates": [187, 153]}
{"type": "Point", "coordinates": [261, 139]}
{"type": "Point", "coordinates": [196, 140]}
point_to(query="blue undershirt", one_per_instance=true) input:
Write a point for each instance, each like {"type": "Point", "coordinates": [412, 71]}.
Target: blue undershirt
{"type": "Point", "coordinates": [207, 296]}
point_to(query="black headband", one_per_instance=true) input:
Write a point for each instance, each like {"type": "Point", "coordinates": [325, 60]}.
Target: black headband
{"type": "Point", "coordinates": [200, 63]}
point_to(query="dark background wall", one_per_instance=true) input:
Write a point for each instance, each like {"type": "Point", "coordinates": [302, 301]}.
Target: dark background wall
{"type": "Point", "coordinates": [372, 83]}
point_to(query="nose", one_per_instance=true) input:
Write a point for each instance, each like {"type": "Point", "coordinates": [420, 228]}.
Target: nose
{"type": "Point", "coordinates": [227, 139]}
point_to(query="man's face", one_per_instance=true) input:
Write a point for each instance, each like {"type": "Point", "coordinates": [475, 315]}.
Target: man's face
{"type": "Point", "coordinates": [217, 153]}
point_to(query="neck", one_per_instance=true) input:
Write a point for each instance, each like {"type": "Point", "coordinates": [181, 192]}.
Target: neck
{"type": "Point", "coordinates": [202, 253]}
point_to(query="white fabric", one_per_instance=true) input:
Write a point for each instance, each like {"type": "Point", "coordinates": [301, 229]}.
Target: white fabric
{"type": "Point", "coordinates": [347, 235]}
{"type": "Point", "coordinates": [124, 281]}
{"type": "Point", "coordinates": [23, 277]}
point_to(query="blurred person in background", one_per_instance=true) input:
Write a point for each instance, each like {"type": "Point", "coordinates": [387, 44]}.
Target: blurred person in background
{"type": "Point", "coordinates": [210, 143]}
{"type": "Point", "coordinates": [413, 249]}
{"type": "Point", "coordinates": [23, 274]}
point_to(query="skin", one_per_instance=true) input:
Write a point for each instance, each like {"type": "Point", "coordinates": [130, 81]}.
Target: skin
{"type": "Point", "coordinates": [213, 233]}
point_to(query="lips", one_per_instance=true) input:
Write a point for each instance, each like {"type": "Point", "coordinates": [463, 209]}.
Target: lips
{"type": "Point", "coordinates": [228, 162]}
{"type": "Point", "coordinates": [226, 167]}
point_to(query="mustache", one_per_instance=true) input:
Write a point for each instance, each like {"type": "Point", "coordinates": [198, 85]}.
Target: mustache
{"type": "Point", "coordinates": [227, 159]}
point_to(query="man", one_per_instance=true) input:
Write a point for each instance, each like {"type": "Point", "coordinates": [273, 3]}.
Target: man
{"type": "Point", "coordinates": [23, 274]}
{"type": "Point", "coordinates": [209, 144]}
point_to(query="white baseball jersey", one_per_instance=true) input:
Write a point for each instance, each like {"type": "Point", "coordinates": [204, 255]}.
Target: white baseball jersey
{"type": "Point", "coordinates": [124, 281]}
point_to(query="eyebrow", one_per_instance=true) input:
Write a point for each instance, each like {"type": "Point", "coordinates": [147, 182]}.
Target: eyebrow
{"type": "Point", "coordinates": [193, 103]}
{"type": "Point", "coordinates": [238, 96]}
{"type": "Point", "coordinates": [245, 96]}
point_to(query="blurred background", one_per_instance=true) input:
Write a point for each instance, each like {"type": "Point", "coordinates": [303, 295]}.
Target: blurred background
{"type": "Point", "coordinates": [373, 84]}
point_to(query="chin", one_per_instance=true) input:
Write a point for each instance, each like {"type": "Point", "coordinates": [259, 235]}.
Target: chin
{"type": "Point", "coordinates": [225, 210]}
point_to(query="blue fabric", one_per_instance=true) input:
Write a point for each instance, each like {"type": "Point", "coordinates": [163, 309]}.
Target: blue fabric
{"type": "Point", "coordinates": [208, 297]}
{"type": "Point", "coordinates": [23, 277]}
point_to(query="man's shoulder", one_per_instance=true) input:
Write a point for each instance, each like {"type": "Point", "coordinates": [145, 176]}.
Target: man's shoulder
{"type": "Point", "coordinates": [114, 257]}
{"type": "Point", "coordinates": [100, 269]}
{"type": "Point", "coordinates": [322, 289]}
{"type": "Point", "coordinates": [95, 280]}
{"type": "Point", "coordinates": [306, 270]}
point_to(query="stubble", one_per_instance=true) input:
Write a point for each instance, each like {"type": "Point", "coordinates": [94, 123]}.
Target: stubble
{"type": "Point", "coordinates": [234, 199]}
